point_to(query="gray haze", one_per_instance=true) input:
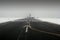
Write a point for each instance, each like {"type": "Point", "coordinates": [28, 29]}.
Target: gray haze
{"type": "Point", "coordinates": [41, 9]}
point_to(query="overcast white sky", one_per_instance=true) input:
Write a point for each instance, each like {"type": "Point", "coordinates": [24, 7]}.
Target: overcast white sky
{"type": "Point", "coordinates": [44, 10]}
{"type": "Point", "coordinates": [41, 9]}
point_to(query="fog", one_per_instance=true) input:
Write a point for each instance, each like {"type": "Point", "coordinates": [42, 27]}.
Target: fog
{"type": "Point", "coordinates": [41, 9]}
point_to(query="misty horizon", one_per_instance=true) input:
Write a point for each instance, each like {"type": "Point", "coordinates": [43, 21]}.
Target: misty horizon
{"type": "Point", "coordinates": [41, 9]}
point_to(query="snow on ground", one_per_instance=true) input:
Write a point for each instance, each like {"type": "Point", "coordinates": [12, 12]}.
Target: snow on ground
{"type": "Point", "coordinates": [7, 19]}
{"type": "Point", "coordinates": [53, 20]}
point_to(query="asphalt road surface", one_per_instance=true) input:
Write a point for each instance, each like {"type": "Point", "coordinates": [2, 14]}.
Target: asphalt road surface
{"type": "Point", "coordinates": [14, 30]}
